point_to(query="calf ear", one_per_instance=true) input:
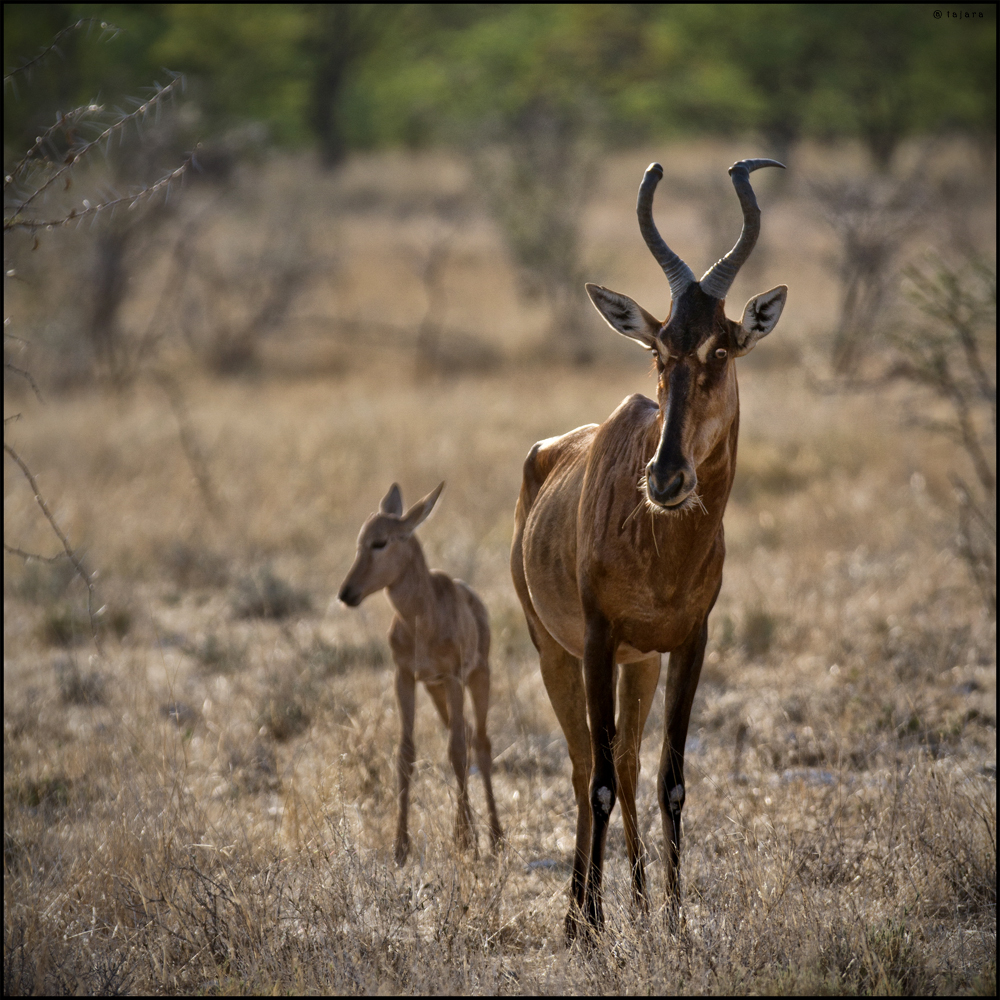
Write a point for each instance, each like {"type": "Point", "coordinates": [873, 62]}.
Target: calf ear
{"type": "Point", "coordinates": [760, 317]}
{"type": "Point", "coordinates": [418, 513]}
{"type": "Point", "coordinates": [625, 316]}
{"type": "Point", "coordinates": [392, 502]}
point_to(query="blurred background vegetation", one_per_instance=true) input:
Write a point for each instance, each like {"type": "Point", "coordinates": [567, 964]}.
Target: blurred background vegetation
{"type": "Point", "coordinates": [326, 188]}
{"type": "Point", "coordinates": [362, 76]}
{"type": "Point", "coordinates": [262, 260]}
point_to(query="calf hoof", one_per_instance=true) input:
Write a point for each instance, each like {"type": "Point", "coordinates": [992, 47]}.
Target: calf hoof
{"type": "Point", "coordinates": [402, 850]}
{"type": "Point", "coordinates": [464, 839]}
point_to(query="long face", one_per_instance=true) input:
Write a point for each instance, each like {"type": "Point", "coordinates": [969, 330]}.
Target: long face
{"type": "Point", "coordinates": [696, 345]}
{"type": "Point", "coordinates": [697, 395]}
{"type": "Point", "coordinates": [380, 559]}
{"type": "Point", "coordinates": [386, 545]}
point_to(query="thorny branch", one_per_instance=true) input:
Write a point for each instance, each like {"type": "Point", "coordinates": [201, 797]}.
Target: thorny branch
{"type": "Point", "coordinates": [69, 553]}
{"type": "Point", "coordinates": [25, 374]}
{"type": "Point", "coordinates": [13, 222]}
{"type": "Point", "coordinates": [64, 123]}
{"type": "Point", "coordinates": [75, 216]}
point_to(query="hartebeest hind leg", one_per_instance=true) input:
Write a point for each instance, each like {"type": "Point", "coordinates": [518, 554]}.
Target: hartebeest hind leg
{"type": "Point", "coordinates": [683, 671]}
{"type": "Point", "coordinates": [563, 677]}
{"type": "Point", "coordinates": [636, 687]}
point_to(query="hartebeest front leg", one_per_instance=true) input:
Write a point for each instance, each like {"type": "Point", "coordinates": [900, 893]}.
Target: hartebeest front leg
{"type": "Point", "coordinates": [599, 677]}
{"type": "Point", "coordinates": [406, 697]}
{"type": "Point", "coordinates": [683, 672]}
{"type": "Point", "coordinates": [636, 687]}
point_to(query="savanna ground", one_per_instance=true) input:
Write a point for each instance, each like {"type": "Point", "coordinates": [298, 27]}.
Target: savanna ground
{"type": "Point", "coordinates": [207, 804]}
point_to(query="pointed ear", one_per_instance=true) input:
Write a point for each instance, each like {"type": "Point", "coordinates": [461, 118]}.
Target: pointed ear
{"type": "Point", "coordinates": [760, 317]}
{"type": "Point", "coordinates": [418, 513]}
{"type": "Point", "coordinates": [625, 316]}
{"type": "Point", "coordinates": [392, 502]}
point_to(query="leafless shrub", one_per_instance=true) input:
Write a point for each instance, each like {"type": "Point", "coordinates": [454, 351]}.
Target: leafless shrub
{"type": "Point", "coordinates": [37, 199]}
{"type": "Point", "coordinates": [77, 687]}
{"type": "Point", "coordinates": [431, 270]}
{"type": "Point", "coordinates": [335, 659]}
{"type": "Point", "coordinates": [872, 218]}
{"type": "Point", "coordinates": [537, 184]}
{"type": "Point", "coordinates": [264, 595]}
{"type": "Point", "coordinates": [253, 767]}
{"type": "Point", "coordinates": [758, 632]}
{"type": "Point", "coordinates": [216, 654]}
{"type": "Point", "coordinates": [284, 715]}
{"type": "Point", "coordinates": [194, 566]}
{"type": "Point", "coordinates": [950, 350]}
{"type": "Point", "coordinates": [224, 305]}
{"type": "Point", "coordinates": [43, 582]}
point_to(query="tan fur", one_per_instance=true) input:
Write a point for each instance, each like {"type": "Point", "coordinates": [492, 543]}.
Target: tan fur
{"type": "Point", "coordinates": [440, 635]}
{"type": "Point", "coordinates": [617, 558]}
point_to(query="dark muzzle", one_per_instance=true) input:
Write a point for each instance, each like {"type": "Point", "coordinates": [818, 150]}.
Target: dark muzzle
{"type": "Point", "coordinates": [669, 485]}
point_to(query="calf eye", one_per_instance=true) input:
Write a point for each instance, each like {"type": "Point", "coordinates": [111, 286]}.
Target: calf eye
{"type": "Point", "coordinates": [378, 545]}
{"type": "Point", "coordinates": [721, 353]}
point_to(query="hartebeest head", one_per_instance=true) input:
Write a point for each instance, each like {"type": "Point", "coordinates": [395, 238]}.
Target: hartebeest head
{"type": "Point", "coordinates": [695, 346]}
{"type": "Point", "coordinates": [385, 545]}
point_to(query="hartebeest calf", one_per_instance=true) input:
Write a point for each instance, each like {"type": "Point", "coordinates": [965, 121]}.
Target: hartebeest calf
{"type": "Point", "coordinates": [440, 635]}
{"type": "Point", "coordinates": [618, 545]}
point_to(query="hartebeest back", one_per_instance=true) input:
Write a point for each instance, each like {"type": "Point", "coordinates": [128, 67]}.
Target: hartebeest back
{"type": "Point", "coordinates": [618, 544]}
{"type": "Point", "coordinates": [440, 635]}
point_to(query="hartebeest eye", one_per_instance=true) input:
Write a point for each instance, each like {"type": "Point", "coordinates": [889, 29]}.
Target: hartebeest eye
{"type": "Point", "coordinates": [378, 545]}
{"type": "Point", "coordinates": [721, 353]}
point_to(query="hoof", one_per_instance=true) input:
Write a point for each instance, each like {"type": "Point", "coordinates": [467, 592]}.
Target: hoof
{"type": "Point", "coordinates": [575, 924]}
{"type": "Point", "coordinates": [402, 850]}
{"type": "Point", "coordinates": [580, 930]}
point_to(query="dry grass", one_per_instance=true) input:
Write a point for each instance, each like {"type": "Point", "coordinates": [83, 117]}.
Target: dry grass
{"type": "Point", "coordinates": [209, 806]}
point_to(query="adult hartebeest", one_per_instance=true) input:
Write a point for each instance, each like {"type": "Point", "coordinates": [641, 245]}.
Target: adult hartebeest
{"type": "Point", "coordinates": [618, 545]}
{"type": "Point", "coordinates": [440, 635]}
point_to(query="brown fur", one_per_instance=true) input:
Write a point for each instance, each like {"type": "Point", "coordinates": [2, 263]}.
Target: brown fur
{"type": "Point", "coordinates": [617, 557]}
{"type": "Point", "coordinates": [440, 636]}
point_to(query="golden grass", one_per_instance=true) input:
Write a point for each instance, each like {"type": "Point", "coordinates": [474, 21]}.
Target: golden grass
{"type": "Point", "coordinates": [209, 805]}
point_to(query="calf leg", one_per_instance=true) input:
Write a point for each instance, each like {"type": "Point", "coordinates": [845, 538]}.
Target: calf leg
{"type": "Point", "coordinates": [458, 753]}
{"type": "Point", "coordinates": [406, 697]}
{"type": "Point", "coordinates": [479, 688]}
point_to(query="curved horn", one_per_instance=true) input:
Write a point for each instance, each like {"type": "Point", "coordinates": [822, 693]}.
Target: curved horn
{"type": "Point", "coordinates": [719, 278]}
{"type": "Point", "coordinates": [678, 273]}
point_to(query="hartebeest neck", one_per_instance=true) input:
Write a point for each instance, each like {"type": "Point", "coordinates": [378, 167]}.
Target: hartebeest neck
{"type": "Point", "coordinates": [412, 592]}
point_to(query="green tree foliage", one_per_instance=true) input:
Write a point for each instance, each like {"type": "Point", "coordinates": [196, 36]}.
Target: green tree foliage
{"type": "Point", "coordinates": [363, 75]}
{"type": "Point", "coordinates": [245, 61]}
